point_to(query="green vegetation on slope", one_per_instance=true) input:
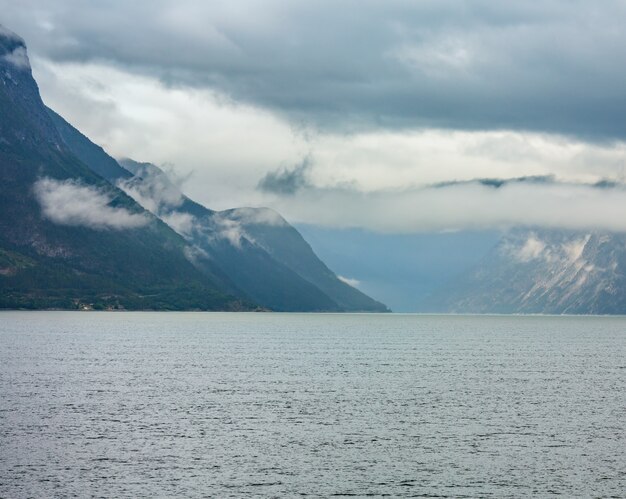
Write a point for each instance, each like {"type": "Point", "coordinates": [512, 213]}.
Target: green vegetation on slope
{"type": "Point", "coordinates": [46, 264]}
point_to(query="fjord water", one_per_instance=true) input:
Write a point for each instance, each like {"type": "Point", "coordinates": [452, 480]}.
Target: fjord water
{"type": "Point", "coordinates": [235, 405]}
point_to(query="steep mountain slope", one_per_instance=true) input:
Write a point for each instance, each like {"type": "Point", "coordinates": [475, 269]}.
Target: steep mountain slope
{"type": "Point", "coordinates": [253, 274]}
{"type": "Point", "coordinates": [69, 238]}
{"type": "Point", "coordinates": [89, 153]}
{"type": "Point", "coordinates": [275, 267]}
{"type": "Point", "coordinates": [257, 248]}
{"type": "Point", "coordinates": [545, 271]}
{"type": "Point", "coordinates": [264, 256]}
{"type": "Point", "coordinates": [284, 243]}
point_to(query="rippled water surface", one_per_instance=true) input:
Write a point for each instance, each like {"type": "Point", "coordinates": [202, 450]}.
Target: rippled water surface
{"type": "Point", "coordinates": [236, 405]}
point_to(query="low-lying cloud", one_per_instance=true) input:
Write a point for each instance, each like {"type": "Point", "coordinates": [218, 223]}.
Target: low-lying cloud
{"type": "Point", "coordinates": [181, 222]}
{"type": "Point", "coordinates": [18, 58]}
{"type": "Point", "coordinates": [496, 183]}
{"type": "Point", "coordinates": [256, 216]}
{"type": "Point", "coordinates": [349, 281]}
{"type": "Point", "coordinates": [567, 249]}
{"type": "Point", "coordinates": [286, 181]}
{"type": "Point", "coordinates": [152, 189]}
{"type": "Point", "coordinates": [68, 202]}
{"type": "Point", "coordinates": [202, 134]}
{"type": "Point", "coordinates": [471, 205]}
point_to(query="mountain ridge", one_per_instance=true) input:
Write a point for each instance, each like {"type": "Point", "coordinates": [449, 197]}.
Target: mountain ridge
{"type": "Point", "coordinates": [103, 250]}
{"type": "Point", "coordinates": [270, 242]}
{"type": "Point", "coordinates": [84, 208]}
{"type": "Point", "coordinates": [548, 271]}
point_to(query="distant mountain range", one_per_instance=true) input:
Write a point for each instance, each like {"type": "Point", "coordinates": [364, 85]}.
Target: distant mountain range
{"type": "Point", "coordinates": [80, 230]}
{"type": "Point", "coordinates": [545, 271]}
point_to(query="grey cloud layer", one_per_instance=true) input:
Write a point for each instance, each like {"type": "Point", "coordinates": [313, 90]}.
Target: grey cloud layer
{"type": "Point", "coordinates": [286, 181]}
{"type": "Point", "coordinates": [479, 204]}
{"type": "Point", "coordinates": [553, 66]}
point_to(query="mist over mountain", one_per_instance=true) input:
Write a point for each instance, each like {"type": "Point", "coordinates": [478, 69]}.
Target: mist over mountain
{"type": "Point", "coordinates": [266, 258]}
{"type": "Point", "coordinates": [257, 248]}
{"type": "Point", "coordinates": [82, 229]}
{"type": "Point", "coordinates": [68, 238]}
{"type": "Point", "coordinates": [520, 271]}
{"type": "Point", "coordinates": [79, 230]}
{"type": "Point", "coordinates": [543, 272]}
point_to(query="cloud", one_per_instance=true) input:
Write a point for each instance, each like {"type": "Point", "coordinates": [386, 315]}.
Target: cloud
{"type": "Point", "coordinates": [470, 205]}
{"type": "Point", "coordinates": [224, 228]}
{"type": "Point", "coordinates": [564, 249]}
{"type": "Point", "coordinates": [201, 133]}
{"type": "Point", "coordinates": [13, 50]}
{"type": "Point", "coordinates": [152, 189]}
{"type": "Point", "coordinates": [285, 181]}
{"type": "Point", "coordinates": [378, 180]}
{"type": "Point", "coordinates": [257, 216]}
{"type": "Point", "coordinates": [232, 225]}
{"type": "Point", "coordinates": [183, 223]}
{"type": "Point", "coordinates": [532, 249]}
{"type": "Point", "coordinates": [18, 58]}
{"type": "Point", "coordinates": [467, 65]}
{"type": "Point", "coordinates": [350, 282]}
{"type": "Point", "coordinates": [496, 183]}
{"type": "Point", "coordinates": [195, 254]}
{"type": "Point", "coordinates": [68, 202]}
{"type": "Point", "coordinates": [10, 35]}
{"type": "Point", "coordinates": [198, 131]}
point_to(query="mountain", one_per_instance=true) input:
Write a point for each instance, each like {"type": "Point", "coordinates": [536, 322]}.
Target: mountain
{"type": "Point", "coordinates": [258, 249]}
{"type": "Point", "coordinates": [543, 271]}
{"type": "Point", "coordinates": [265, 257]}
{"type": "Point", "coordinates": [260, 256]}
{"type": "Point", "coordinates": [68, 238]}
{"type": "Point", "coordinates": [285, 244]}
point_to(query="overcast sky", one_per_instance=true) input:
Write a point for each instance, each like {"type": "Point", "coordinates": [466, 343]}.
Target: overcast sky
{"type": "Point", "coordinates": [346, 113]}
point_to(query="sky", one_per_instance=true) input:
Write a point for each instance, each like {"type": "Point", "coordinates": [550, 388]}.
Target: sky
{"type": "Point", "coordinates": [393, 116]}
